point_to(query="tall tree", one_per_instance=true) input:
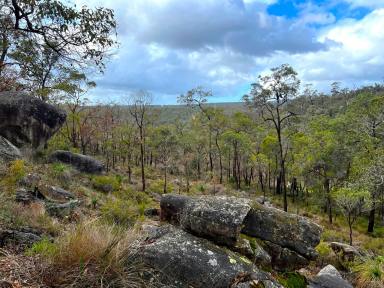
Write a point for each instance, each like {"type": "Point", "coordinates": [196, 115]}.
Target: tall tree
{"type": "Point", "coordinates": [270, 96]}
{"type": "Point", "coordinates": [138, 109]}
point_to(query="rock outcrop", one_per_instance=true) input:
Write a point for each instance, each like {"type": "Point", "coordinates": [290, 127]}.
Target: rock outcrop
{"type": "Point", "coordinates": [329, 277]}
{"type": "Point", "coordinates": [185, 260]}
{"type": "Point", "coordinates": [284, 229]}
{"type": "Point", "coordinates": [61, 210]}
{"type": "Point", "coordinates": [344, 251]}
{"type": "Point", "coordinates": [8, 152]}
{"type": "Point", "coordinates": [27, 121]}
{"type": "Point", "coordinates": [290, 240]}
{"type": "Point", "coordinates": [21, 238]}
{"type": "Point", "coordinates": [81, 162]}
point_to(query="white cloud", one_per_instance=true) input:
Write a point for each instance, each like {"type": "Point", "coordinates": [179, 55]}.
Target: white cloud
{"type": "Point", "coordinates": [170, 46]}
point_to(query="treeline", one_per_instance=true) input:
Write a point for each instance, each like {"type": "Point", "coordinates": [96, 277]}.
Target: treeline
{"type": "Point", "coordinates": [325, 150]}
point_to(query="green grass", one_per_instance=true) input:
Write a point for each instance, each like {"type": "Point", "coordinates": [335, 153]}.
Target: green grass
{"type": "Point", "coordinates": [292, 280]}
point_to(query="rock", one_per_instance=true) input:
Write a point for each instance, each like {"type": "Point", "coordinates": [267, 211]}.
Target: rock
{"type": "Point", "coordinates": [188, 261]}
{"type": "Point", "coordinates": [219, 219]}
{"type": "Point", "coordinates": [26, 196]}
{"type": "Point", "coordinates": [284, 229]}
{"type": "Point", "coordinates": [61, 210]}
{"type": "Point", "coordinates": [283, 259]}
{"type": "Point", "coordinates": [81, 162]}
{"type": "Point", "coordinates": [243, 246]}
{"type": "Point", "coordinates": [18, 238]}
{"type": "Point", "coordinates": [261, 257]}
{"type": "Point", "coordinates": [347, 252]}
{"type": "Point", "coordinates": [8, 152]}
{"type": "Point", "coordinates": [329, 277]}
{"type": "Point", "coordinates": [31, 180]}
{"type": "Point", "coordinates": [151, 212]}
{"type": "Point", "coordinates": [27, 121]}
{"type": "Point", "coordinates": [58, 192]}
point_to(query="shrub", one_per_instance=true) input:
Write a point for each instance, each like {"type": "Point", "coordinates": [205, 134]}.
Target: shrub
{"type": "Point", "coordinates": [157, 186]}
{"type": "Point", "coordinates": [106, 183]}
{"type": "Point", "coordinates": [324, 252]}
{"type": "Point", "coordinates": [15, 172]}
{"type": "Point", "coordinates": [120, 211]}
{"type": "Point", "coordinates": [370, 273]}
{"type": "Point", "coordinates": [44, 247]}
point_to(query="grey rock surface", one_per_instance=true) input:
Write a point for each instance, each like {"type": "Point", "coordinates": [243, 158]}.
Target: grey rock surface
{"type": "Point", "coordinates": [185, 260]}
{"type": "Point", "coordinates": [27, 121]}
{"type": "Point", "coordinates": [58, 192]}
{"type": "Point", "coordinates": [27, 196]}
{"type": "Point", "coordinates": [61, 210]}
{"type": "Point", "coordinates": [81, 162]}
{"type": "Point", "coordinates": [345, 251]}
{"type": "Point", "coordinates": [8, 236]}
{"type": "Point", "coordinates": [283, 259]}
{"type": "Point", "coordinates": [216, 218]}
{"type": "Point", "coordinates": [8, 152]}
{"type": "Point", "coordinates": [290, 231]}
{"type": "Point", "coordinates": [329, 277]}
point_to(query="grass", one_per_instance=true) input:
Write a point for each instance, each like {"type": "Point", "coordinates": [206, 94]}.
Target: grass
{"type": "Point", "coordinates": [92, 255]}
{"type": "Point", "coordinates": [292, 280]}
{"type": "Point", "coordinates": [370, 273]}
{"type": "Point", "coordinates": [14, 173]}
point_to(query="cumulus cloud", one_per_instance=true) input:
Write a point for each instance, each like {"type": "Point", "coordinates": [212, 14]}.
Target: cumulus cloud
{"type": "Point", "coordinates": [170, 46]}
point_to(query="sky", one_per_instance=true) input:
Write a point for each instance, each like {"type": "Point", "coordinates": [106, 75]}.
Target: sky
{"type": "Point", "coordinates": [168, 47]}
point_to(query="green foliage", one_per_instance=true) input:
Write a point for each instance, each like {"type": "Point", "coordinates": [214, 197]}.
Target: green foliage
{"type": "Point", "coordinates": [323, 249]}
{"type": "Point", "coordinates": [370, 273]}
{"type": "Point", "coordinates": [105, 182]}
{"type": "Point", "coordinates": [157, 186]}
{"type": "Point", "coordinates": [292, 280]}
{"type": "Point", "coordinates": [44, 247]}
{"type": "Point", "coordinates": [15, 172]}
{"type": "Point", "coordinates": [121, 211]}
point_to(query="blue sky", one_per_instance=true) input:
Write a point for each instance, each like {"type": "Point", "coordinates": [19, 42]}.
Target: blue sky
{"type": "Point", "coordinates": [170, 46]}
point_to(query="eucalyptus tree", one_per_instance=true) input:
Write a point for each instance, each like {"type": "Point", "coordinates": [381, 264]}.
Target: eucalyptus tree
{"type": "Point", "coordinates": [139, 110]}
{"type": "Point", "coordinates": [270, 96]}
{"type": "Point", "coordinates": [38, 38]}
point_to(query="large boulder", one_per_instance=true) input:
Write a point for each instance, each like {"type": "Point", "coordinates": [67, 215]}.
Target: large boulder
{"type": "Point", "coordinates": [216, 218]}
{"type": "Point", "coordinates": [27, 121]}
{"type": "Point", "coordinates": [329, 277]}
{"type": "Point", "coordinates": [184, 260]}
{"type": "Point", "coordinates": [291, 231]}
{"type": "Point", "coordinates": [8, 152]}
{"type": "Point", "coordinates": [221, 219]}
{"type": "Point", "coordinates": [81, 162]}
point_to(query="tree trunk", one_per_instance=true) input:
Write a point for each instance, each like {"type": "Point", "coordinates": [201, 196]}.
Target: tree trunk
{"type": "Point", "coordinates": [329, 200]}
{"type": "Point", "coordinates": [165, 180]}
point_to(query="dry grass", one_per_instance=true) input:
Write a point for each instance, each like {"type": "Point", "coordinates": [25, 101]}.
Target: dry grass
{"type": "Point", "coordinates": [95, 255]}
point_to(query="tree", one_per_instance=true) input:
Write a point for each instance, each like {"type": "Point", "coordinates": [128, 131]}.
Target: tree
{"type": "Point", "coordinates": [270, 96]}
{"type": "Point", "coordinates": [42, 37]}
{"type": "Point", "coordinates": [138, 109]}
{"type": "Point", "coordinates": [351, 202]}
{"type": "Point", "coordinates": [366, 118]}
{"type": "Point", "coordinates": [197, 97]}
{"type": "Point", "coordinates": [165, 141]}
{"type": "Point", "coordinates": [75, 34]}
